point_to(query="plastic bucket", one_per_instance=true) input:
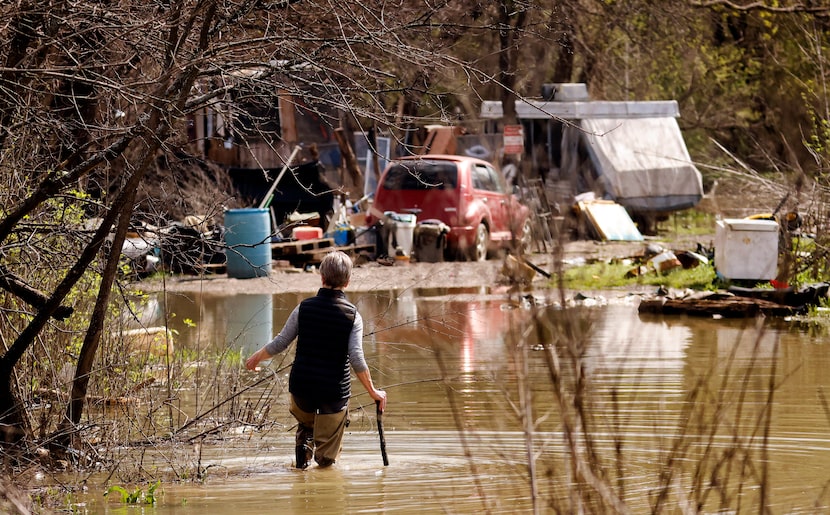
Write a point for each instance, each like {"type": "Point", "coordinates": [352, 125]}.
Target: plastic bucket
{"type": "Point", "coordinates": [404, 232]}
{"type": "Point", "coordinates": [248, 237]}
{"type": "Point", "coordinates": [430, 241]}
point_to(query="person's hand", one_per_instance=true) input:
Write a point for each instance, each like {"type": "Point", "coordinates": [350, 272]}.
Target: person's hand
{"type": "Point", "coordinates": [252, 362]}
{"type": "Point", "coordinates": [380, 396]}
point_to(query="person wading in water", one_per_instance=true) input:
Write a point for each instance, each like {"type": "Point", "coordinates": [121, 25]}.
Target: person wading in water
{"type": "Point", "coordinates": [329, 333]}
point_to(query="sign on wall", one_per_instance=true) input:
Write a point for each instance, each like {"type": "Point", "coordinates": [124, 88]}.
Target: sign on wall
{"type": "Point", "coordinates": [513, 139]}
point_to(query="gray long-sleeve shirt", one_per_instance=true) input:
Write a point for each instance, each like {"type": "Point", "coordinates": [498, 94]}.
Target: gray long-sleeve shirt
{"type": "Point", "coordinates": [289, 333]}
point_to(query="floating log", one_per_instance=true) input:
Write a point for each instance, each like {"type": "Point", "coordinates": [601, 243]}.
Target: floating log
{"type": "Point", "coordinates": [727, 307]}
{"type": "Point", "coordinates": [809, 294]}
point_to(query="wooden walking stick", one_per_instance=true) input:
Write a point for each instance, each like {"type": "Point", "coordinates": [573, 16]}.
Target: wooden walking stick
{"type": "Point", "coordinates": [266, 202]}
{"type": "Point", "coordinates": [380, 434]}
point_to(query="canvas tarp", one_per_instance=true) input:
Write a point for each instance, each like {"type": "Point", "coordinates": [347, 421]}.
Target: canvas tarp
{"type": "Point", "coordinates": [641, 163]}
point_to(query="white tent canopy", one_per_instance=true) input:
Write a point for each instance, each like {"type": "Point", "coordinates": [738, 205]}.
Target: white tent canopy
{"type": "Point", "coordinates": [629, 151]}
{"type": "Point", "coordinates": [643, 162]}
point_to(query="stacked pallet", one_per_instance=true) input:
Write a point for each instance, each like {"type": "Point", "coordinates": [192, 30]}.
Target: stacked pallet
{"type": "Point", "coordinates": [311, 252]}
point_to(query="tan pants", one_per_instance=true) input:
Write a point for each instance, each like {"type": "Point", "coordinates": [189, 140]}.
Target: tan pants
{"type": "Point", "coordinates": [326, 431]}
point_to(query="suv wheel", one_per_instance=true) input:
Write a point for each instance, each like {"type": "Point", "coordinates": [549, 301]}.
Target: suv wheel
{"type": "Point", "coordinates": [478, 252]}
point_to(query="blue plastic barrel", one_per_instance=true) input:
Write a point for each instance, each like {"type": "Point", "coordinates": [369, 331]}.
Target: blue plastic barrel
{"type": "Point", "coordinates": [248, 238]}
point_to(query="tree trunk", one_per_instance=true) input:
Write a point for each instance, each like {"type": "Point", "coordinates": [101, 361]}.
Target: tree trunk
{"type": "Point", "coordinates": [12, 417]}
{"type": "Point", "coordinates": [92, 339]}
{"type": "Point", "coordinates": [509, 55]}
{"type": "Point", "coordinates": [122, 208]}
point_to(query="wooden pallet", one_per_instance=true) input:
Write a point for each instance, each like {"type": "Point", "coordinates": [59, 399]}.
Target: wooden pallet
{"type": "Point", "coordinates": [211, 268]}
{"type": "Point", "coordinates": [351, 250]}
{"type": "Point", "coordinates": [314, 256]}
{"type": "Point", "coordinates": [286, 249]}
{"type": "Point", "coordinates": [311, 252]}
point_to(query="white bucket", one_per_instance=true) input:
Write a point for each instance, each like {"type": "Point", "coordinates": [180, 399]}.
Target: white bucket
{"type": "Point", "coordinates": [404, 233]}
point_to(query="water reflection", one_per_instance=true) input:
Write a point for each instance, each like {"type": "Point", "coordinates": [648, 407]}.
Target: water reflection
{"type": "Point", "coordinates": [453, 359]}
{"type": "Point", "coordinates": [250, 321]}
{"type": "Point", "coordinates": [623, 341]}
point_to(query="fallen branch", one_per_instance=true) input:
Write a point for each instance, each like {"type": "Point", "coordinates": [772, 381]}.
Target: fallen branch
{"type": "Point", "coordinates": [35, 298]}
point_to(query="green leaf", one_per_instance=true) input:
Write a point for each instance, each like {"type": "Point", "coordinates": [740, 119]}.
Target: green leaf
{"type": "Point", "coordinates": [121, 490]}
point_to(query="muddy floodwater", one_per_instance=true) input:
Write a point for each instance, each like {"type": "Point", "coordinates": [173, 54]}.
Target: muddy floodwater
{"type": "Point", "coordinates": [454, 428]}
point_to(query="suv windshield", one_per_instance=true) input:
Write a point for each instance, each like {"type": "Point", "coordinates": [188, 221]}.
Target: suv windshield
{"type": "Point", "coordinates": [421, 175]}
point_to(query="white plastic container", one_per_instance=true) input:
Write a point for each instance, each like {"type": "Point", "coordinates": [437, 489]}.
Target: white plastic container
{"type": "Point", "coordinates": [746, 249]}
{"type": "Point", "coordinates": [404, 233]}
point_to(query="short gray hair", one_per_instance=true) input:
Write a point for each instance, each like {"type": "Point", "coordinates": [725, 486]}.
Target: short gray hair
{"type": "Point", "coordinates": [336, 269]}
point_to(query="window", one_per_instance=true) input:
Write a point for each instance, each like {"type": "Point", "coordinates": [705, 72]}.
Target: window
{"type": "Point", "coordinates": [422, 175]}
{"type": "Point", "coordinates": [485, 178]}
{"type": "Point", "coordinates": [255, 113]}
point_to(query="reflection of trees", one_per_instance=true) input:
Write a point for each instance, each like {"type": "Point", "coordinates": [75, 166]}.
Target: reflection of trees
{"type": "Point", "coordinates": [654, 412]}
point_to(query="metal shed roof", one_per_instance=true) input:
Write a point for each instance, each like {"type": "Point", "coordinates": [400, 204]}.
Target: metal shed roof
{"type": "Point", "coordinates": [540, 110]}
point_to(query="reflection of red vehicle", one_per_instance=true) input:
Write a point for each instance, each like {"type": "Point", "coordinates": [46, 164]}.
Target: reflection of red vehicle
{"type": "Point", "coordinates": [467, 194]}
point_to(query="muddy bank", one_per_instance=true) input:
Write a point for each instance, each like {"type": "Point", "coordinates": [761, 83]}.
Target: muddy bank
{"type": "Point", "coordinates": [374, 276]}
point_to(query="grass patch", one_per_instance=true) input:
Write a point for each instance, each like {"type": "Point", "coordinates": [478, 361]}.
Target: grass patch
{"type": "Point", "coordinates": [609, 275]}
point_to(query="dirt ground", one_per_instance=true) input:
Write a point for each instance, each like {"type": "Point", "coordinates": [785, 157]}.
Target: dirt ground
{"type": "Point", "coordinates": [372, 276]}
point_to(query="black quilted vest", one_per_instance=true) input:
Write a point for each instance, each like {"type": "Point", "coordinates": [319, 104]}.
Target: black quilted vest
{"type": "Point", "coordinates": [321, 366]}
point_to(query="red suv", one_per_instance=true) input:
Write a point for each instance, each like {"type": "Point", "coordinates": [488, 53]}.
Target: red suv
{"type": "Point", "coordinates": [467, 194]}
